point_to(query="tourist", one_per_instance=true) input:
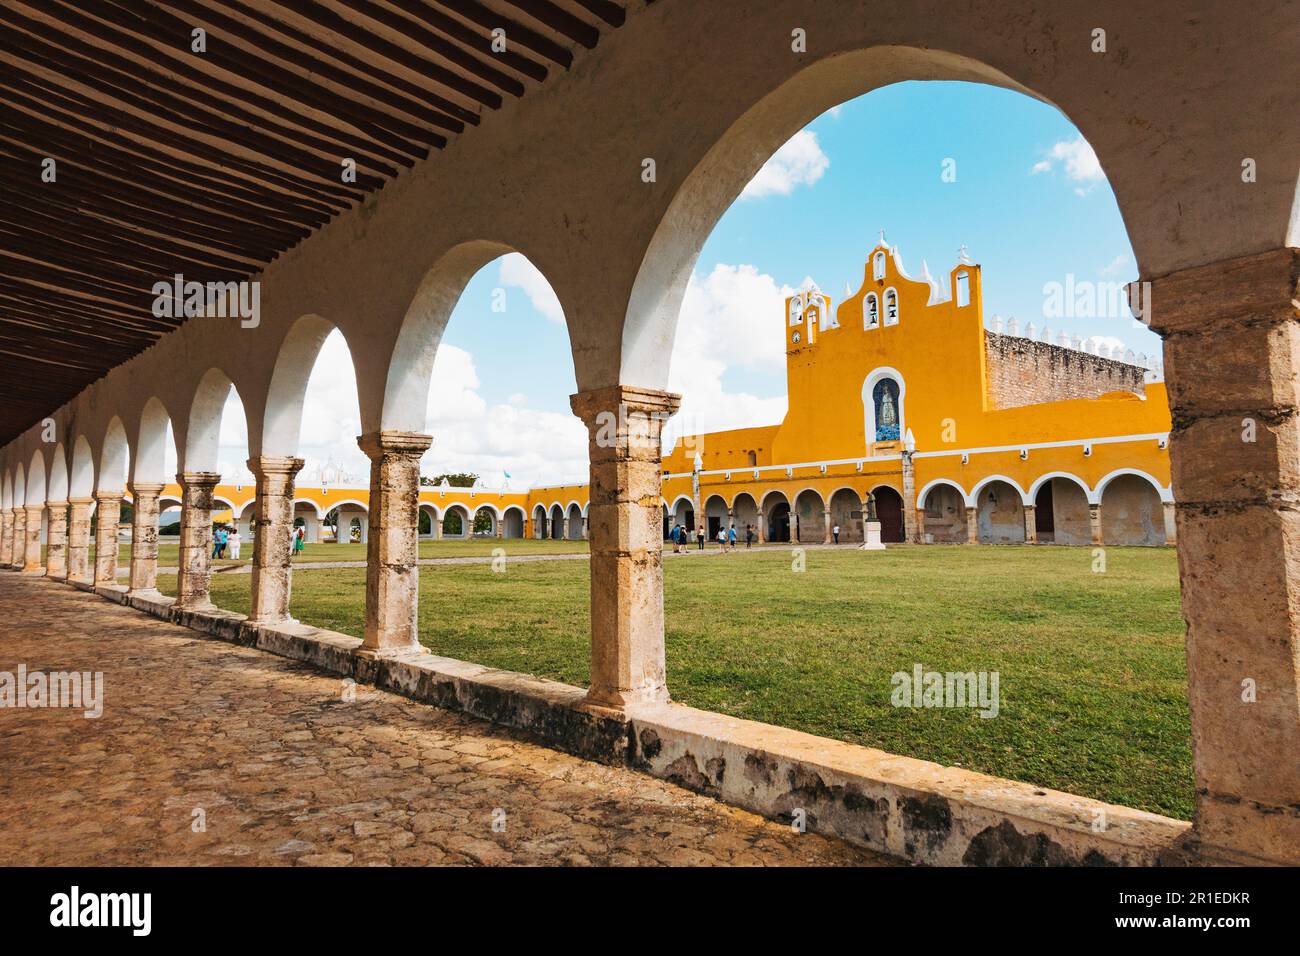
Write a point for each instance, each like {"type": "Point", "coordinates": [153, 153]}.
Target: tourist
{"type": "Point", "coordinates": [836, 532]}
{"type": "Point", "coordinates": [700, 537]}
{"type": "Point", "coordinates": [731, 538]}
{"type": "Point", "coordinates": [722, 538]}
{"type": "Point", "coordinates": [219, 543]}
{"type": "Point", "coordinates": [675, 534]}
{"type": "Point", "coordinates": [299, 541]}
{"type": "Point", "coordinates": [749, 536]}
{"type": "Point", "coordinates": [233, 543]}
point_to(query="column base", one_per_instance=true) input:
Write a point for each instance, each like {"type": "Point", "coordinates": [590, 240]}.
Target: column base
{"type": "Point", "coordinates": [390, 653]}
{"type": "Point", "coordinates": [616, 702]}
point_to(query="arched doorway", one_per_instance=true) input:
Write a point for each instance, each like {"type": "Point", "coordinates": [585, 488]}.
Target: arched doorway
{"type": "Point", "coordinates": [889, 512]}
{"type": "Point", "coordinates": [1132, 512]}
{"type": "Point", "coordinates": [999, 514]}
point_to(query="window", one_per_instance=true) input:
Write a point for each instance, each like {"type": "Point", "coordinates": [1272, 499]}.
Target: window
{"type": "Point", "coordinates": [878, 265]}
{"type": "Point", "coordinates": [963, 289]}
{"type": "Point", "coordinates": [796, 311]}
{"type": "Point", "coordinates": [885, 398]}
{"type": "Point", "coordinates": [891, 307]}
{"type": "Point", "coordinates": [871, 312]}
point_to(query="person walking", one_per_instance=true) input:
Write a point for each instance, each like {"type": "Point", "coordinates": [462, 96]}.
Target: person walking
{"type": "Point", "coordinates": [731, 538]}
{"type": "Point", "coordinates": [700, 537]}
{"type": "Point", "coordinates": [676, 530]}
{"type": "Point", "coordinates": [722, 539]}
{"type": "Point", "coordinates": [749, 535]}
{"type": "Point", "coordinates": [836, 532]}
{"type": "Point", "coordinates": [233, 543]}
{"type": "Point", "coordinates": [299, 541]}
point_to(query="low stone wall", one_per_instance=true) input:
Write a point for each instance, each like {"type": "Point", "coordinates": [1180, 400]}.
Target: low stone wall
{"type": "Point", "coordinates": [922, 812]}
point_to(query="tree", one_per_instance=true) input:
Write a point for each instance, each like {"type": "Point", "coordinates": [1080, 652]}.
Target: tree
{"type": "Point", "coordinates": [462, 479]}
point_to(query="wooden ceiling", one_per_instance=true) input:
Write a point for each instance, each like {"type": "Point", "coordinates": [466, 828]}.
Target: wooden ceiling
{"type": "Point", "coordinates": [212, 163]}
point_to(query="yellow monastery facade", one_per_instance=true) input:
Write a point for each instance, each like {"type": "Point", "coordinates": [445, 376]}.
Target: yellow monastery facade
{"type": "Point", "coordinates": [901, 403]}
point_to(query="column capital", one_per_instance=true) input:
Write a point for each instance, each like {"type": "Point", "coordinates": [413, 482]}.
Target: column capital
{"type": "Point", "coordinates": [63, 503]}
{"type": "Point", "coordinates": [1257, 290]}
{"type": "Point", "coordinates": [80, 500]}
{"type": "Point", "coordinates": [109, 495]}
{"type": "Point", "coordinates": [147, 488]}
{"type": "Point", "coordinates": [629, 398]}
{"type": "Point", "coordinates": [394, 442]}
{"type": "Point", "coordinates": [274, 465]}
{"type": "Point", "coordinates": [197, 478]}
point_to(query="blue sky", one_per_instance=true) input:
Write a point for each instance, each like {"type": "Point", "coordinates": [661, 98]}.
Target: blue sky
{"type": "Point", "coordinates": [1028, 201]}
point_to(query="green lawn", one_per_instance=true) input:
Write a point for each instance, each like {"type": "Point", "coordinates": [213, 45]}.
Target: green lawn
{"type": "Point", "coordinates": [1092, 674]}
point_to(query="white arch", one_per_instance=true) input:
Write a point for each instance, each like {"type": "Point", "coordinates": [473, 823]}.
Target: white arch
{"type": "Point", "coordinates": [1043, 479]}
{"type": "Point", "coordinates": [973, 498]}
{"type": "Point", "coordinates": [112, 458]}
{"type": "Point", "coordinates": [230, 505]}
{"type": "Point", "coordinates": [496, 512]}
{"type": "Point", "coordinates": [58, 490]}
{"type": "Point", "coordinates": [920, 498]}
{"type": "Point", "coordinates": [7, 492]}
{"type": "Point", "coordinates": [307, 501]}
{"type": "Point", "coordinates": [36, 480]}
{"type": "Point", "coordinates": [884, 307]}
{"type": "Point", "coordinates": [20, 487]}
{"type": "Point", "coordinates": [150, 464]}
{"type": "Point", "coordinates": [762, 504]}
{"type": "Point", "coordinates": [680, 498]}
{"type": "Point", "coordinates": [1166, 494]}
{"type": "Point", "coordinates": [81, 483]}
{"type": "Point", "coordinates": [203, 428]}
{"type": "Point", "coordinates": [282, 419]}
{"type": "Point", "coordinates": [363, 506]}
{"type": "Point", "coordinates": [875, 376]}
{"type": "Point", "coordinates": [509, 508]}
{"type": "Point", "coordinates": [736, 497]}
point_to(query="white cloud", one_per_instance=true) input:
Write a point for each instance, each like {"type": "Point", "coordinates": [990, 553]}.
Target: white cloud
{"type": "Point", "coordinates": [730, 318]}
{"type": "Point", "coordinates": [518, 272]}
{"type": "Point", "coordinates": [1077, 159]}
{"type": "Point", "coordinates": [800, 162]}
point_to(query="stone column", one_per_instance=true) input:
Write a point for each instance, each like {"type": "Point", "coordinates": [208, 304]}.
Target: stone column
{"type": "Point", "coordinates": [762, 527]}
{"type": "Point", "coordinates": [972, 526]}
{"type": "Point", "coordinates": [920, 522]}
{"type": "Point", "coordinates": [194, 572]}
{"type": "Point", "coordinates": [56, 541]}
{"type": "Point", "coordinates": [272, 547]}
{"type": "Point", "coordinates": [108, 518]}
{"type": "Point", "coordinates": [144, 536]}
{"type": "Point", "coordinates": [1171, 530]}
{"type": "Point", "coordinates": [32, 541]}
{"type": "Point", "coordinates": [827, 537]}
{"type": "Point", "coordinates": [1031, 529]}
{"type": "Point", "coordinates": [912, 517]}
{"type": "Point", "coordinates": [6, 537]}
{"type": "Point", "coordinates": [1232, 357]}
{"type": "Point", "coordinates": [79, 540]}
{"type": "Point", "coordinates": [1094, 522]}
{"type": "Point", "coordinates": [19, 546]}
{"type": "Point", "coordinates": [392, 553]}
{"type": "Point", "coordinates": [500, 528]}
{"type": "Point", "coordinates": [624, 424]}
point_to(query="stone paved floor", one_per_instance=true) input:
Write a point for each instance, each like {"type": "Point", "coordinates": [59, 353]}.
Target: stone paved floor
{"type": "Point", "coordinates": [282, 770]}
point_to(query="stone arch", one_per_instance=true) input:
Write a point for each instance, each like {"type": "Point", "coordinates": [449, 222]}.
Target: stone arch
{"type": "Point", "coordinates": [427, 512]}
{"type": "Point", "coordinates": [846, 514]}
{"type": "Point", "coordinates": [941, 507]}
{"type": "Point", "coordinates": [744, 510]}
{"type": "Point", "coordinates": [283, 415]}
{"type": "Point", "coordinates": [7, 492]}
{"type": "Point", "coordinates": [555, 515]}
{"type": "Point", "coordinates": [574, 515]}
{"type": "Point", "coordinates": [113, 458]}
{"type": "Point", "coordinates": [743, 143]}
{"type": "Point", "coordinates": [1060, 501]}
{"type": "Point", "coordinates": [889, 512]}
{"type": "Point", "coordinates": [457, 522]}
{"type": "Point", "coordinates": [808, 519]}
{"type": "Point", "coordinates": [203, 426]}
{"type": "Point", "coordinates": [20, 487]}
{"type": "Point", "coordinates": [777, 520]}
{"type": "Point", "coordinates": [683, 512]}
{"type": "Point", "coordinates": [150, 465]}
{"type": "Point", "coordinates": [539, 521]}
{"type": "Point", "coordinates": [493, 513]}
{"type": "Point", "coordinates": [999, 511]}
{"type": "Point", "coordinates": [1164, 493]}
{"type": "Point", "coordinates": [512, 522]}
{"type": "Point", "coordinates": [410, 369]}
{"type": "Point", "coordinates": [1132, 512]}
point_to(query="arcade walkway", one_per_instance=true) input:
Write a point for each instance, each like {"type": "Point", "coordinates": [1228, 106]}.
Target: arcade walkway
{"type": "Point", "coordinates": [282, 770]}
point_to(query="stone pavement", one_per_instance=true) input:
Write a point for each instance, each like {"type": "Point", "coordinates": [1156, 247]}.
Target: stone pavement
{"type": "Point", "coordinates": [208, 753]}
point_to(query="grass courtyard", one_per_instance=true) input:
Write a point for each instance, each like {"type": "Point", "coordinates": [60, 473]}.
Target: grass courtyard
{"type": "Point", "coordinates": [1091, 667]}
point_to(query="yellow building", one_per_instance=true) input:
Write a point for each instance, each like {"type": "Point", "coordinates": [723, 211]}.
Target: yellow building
{"type": "Point", "coordinates": [899, 395]}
